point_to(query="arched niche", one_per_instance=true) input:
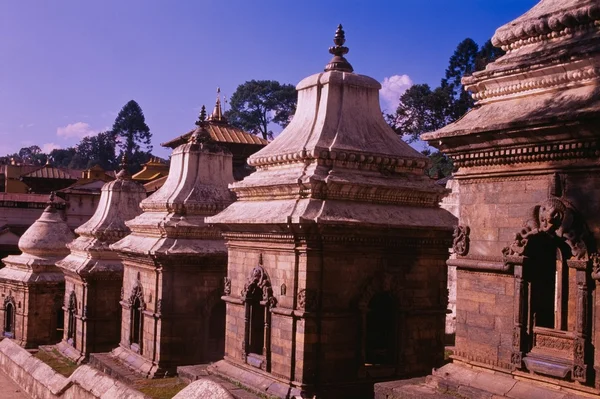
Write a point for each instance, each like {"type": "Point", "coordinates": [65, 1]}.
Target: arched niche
{"type": "Point", "coordinates": [552, 258]}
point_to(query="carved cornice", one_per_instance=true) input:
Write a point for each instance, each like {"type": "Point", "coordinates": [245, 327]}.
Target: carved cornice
{"type": "Point", "coordinates": [528, 154]}
{"type": "Point", "coordinates": [548, 26]}
{"type": "Point", "coordinates": [424, 243]}
{"type": "Point", "coordinates": [552, 78]}
{"type": "Point", "coordinates": [346, 159]}
{"type": "Point", "coordinates": [343, 192]}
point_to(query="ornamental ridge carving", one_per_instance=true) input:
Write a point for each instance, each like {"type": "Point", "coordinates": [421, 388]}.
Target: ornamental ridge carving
{"type": "Point", "coordinates": [460, 240]}
{"type": "Point", "coordinates": [226, 286]}
{"type": "Point", "coordinates": [9, 299]}
{"type": "Point", "coordinates": [307, 300]}
{"type": "Point", "coordinates": [258, 285]}
{"type": "Point", "coordinates": [556, 217]}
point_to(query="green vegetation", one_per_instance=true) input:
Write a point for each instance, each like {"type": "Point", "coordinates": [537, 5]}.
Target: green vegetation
{"type": "Point", "coordinates": [57, 361]}
{"type": "Point", "coordinates": [163, 388]}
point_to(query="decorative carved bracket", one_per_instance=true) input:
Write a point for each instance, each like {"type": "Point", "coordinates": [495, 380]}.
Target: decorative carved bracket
{"type": "Point", "coordinates": [460, 240]}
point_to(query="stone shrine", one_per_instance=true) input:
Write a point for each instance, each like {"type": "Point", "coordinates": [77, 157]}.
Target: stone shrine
{"type": "Point", "coordinates": [94, 273]}
{"type": "Point", "coordinates": [31, 286]}
{"type": "Point", "coordinates": [337, 248]}
{"type": "Point", "coordinates": [174, 265]}
{"type": "Point", "coordinates": [527, 243]}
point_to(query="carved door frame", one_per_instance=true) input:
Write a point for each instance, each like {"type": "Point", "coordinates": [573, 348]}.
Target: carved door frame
{"type": "Point", "coordinates": [557, 218]}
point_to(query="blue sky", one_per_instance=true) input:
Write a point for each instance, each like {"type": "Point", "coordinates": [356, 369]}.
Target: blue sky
{"type": "Point", "coordinates": [68, 66]}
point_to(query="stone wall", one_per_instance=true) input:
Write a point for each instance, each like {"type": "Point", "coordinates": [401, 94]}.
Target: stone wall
{"type": "Point", "coordinates": [40, 381]}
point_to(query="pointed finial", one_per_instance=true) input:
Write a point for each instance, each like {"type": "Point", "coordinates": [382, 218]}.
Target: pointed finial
{"type": "Point", "coordinates": [338, 62]}
{"type": "Point", "coordinates": [217, 114]}
{"type": "Point", "coordinates": [201, 117]}
{"type": "Point", "coordinates": [52, 196]}
{"type": "Point", "coordinates": [123, 173]}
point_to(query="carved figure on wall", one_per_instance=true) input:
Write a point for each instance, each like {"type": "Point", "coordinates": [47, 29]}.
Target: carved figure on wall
{"type": "Point", "coordinates": [460, 240]}
{"type": "Point", "coordinates": [556, 217]}
{"type": "Point", "coordinates": [258, 284]}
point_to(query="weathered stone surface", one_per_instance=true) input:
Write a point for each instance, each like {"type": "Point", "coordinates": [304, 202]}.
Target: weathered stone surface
{"type": "Point", "coordinates": [31, 286]}
{"type": "Point", "coordinates": [94, 273]}
{"type": "Point", "coordinates": [204, 389]}
{"type": "Point", "coordinates": [174, 265]}
{"type": "Point", "coordinates": [528, 176]}
{"type": "Point", "coordinates": [40, 381]}
{"type": "Point", "coordinates": [335, 194]}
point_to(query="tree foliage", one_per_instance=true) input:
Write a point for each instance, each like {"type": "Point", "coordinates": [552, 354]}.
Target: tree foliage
{"type": "Point", "coordinates": [423, 109]}
{"type": "Point", "coordinates": [95, 150]}
{"type": "Point", "coordinates": [258, 103]}
{"type": "Point", "coordinates": [130, 130]}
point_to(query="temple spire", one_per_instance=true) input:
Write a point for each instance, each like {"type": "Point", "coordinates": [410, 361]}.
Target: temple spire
{"type": "Point", "coordinates": [338, 62]}
{"type": "Point", "coordinates": [217, 114]}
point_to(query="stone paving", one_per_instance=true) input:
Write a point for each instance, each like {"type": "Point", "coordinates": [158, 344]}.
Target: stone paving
{"type": "Point", "coordinates": [10, 390]}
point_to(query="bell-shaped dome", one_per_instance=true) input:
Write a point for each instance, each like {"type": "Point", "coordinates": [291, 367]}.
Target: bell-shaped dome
{"type": "Point", "coordinates": [173, 217]}
{"type": "Point", "coordinates": [118, 203]}
{"type": "Point", "coordinates": [48, 236]}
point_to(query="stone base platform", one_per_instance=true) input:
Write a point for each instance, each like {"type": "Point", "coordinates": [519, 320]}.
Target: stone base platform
{"type": "Point", "coordinates": [253, 380]}
{"type": "Point", "coordinates": [111, 366]}
{"type": "Point", "coordinates": [70, 352]}
{"type": "Point", "coordinates": [192, 373]}
{"type": "Point", "coordinates": [457, 380]}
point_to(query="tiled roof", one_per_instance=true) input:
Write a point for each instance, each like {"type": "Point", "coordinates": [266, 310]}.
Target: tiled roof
{"type": "Point", "coordinates": [220, 132]}
{"type": "Point", "coordinates": [51, 172]}
{"type": "Point", "coordinates": [33, 198]}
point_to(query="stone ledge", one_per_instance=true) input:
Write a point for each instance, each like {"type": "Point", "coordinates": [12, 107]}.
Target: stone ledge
{"type": "Point", "coordinates": [41, 381]}
{"type": "Point", "coordinates": [454, 380]}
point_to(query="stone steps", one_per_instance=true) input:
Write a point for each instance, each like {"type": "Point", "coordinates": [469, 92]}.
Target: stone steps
{"type": "Point", "coordinates": [109, 365]}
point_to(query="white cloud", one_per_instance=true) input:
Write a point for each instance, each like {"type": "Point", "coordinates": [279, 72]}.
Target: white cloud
{"type": "Point", "coordinates": [391, 90]}
{"type": "Point", "coordinates": [77, 130]}
{"type": "Point", "coordinates": [48, 147]}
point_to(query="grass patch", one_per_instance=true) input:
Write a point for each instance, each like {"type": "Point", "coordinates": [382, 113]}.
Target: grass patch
{"type": "Point", "coordinates": [58, 362]}
{"type": "Point", "coordinates": [161, 388]}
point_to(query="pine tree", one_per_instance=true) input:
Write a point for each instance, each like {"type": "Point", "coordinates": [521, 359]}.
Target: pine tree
{"type": "Point", "coordinates": [130, 130]}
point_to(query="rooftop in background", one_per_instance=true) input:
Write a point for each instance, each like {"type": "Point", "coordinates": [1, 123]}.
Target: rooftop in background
{"type": "Point", "coordinates": [155, 168]}
{"type": "Point", "coordinates": [220, 130]}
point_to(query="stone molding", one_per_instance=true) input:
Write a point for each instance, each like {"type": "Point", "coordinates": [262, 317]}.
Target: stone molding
{"type": "Point", "coordinates": [527, 154]}
{"type": "Point", "coordinates": [551, 78]}
{"type": "Point", "coordinates": [549, 26]}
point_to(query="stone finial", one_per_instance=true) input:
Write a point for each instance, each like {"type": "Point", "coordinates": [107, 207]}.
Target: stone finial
{"type": "Point", "coordinates": [338, 62]}
{"type": "Point", "coordinates": [123, 173]}
{"type": "Point", "coordinates": [201, 117]}
{"type": "Point", "coordinates": [52, 196]}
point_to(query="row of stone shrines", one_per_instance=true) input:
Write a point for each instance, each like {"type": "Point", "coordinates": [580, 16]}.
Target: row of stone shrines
{"type": "Point", "coordinates": [332, 269]}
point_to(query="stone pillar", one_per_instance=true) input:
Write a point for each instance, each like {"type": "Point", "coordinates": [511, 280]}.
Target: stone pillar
{"type": "Point", "coordinates": [339, 236]}
{"type": "Point", "coordinates": [94, 273]}
{"type": "Point", "coordinates": [174, 264]}
{"type": "Point", "coordinates": [31, 286]}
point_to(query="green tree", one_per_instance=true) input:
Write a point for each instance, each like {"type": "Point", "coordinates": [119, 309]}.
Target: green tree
{"type": "Point", "coordinates": [130, 131]}
{"type": "Point", "coordinates": [32, 155]}
{"type": "Point", "coordinates": [62, 157]}
{"type": "Point", "coordinates": [95, 150]}
{"type": "Point", "coordinates": [257, 103]}
{"type": "Point", "coordinates": [422, 109]}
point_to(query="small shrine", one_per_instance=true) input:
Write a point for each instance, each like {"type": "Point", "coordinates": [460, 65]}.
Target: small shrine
{"type": "Point", "coordinates": [174, 264]}
{"type": "Point", "coordinates": [337, 248]}
{"type": "Point", "coordinates": [94, 273]}
{"type": "Point", "coordinates": [526, 248]}
{"type": "Point", "coordinates": [32, 288]}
